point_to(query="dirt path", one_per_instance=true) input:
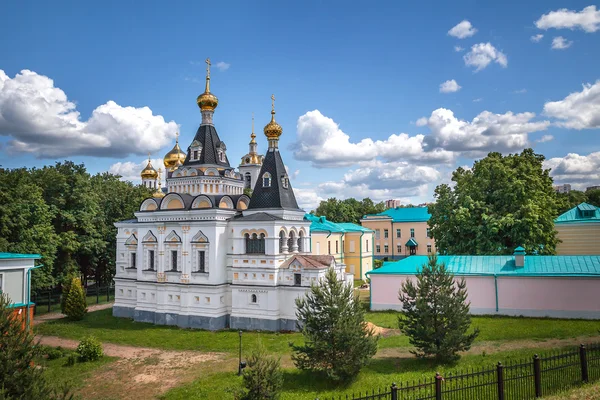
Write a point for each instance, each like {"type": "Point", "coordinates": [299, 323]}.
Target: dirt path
{"type": "Point", "coordinates": [140, 372]}
{"type": "Point", "coordinates": [38, 319]}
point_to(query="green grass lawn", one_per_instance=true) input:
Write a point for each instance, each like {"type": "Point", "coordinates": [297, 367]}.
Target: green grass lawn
{"type": "Point", "coordinates": [42, 307]}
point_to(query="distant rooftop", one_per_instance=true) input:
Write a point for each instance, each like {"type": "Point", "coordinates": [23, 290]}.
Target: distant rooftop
{"type": "Point", "coordinates": [402, 214]}
{"type": "Point", "coordinates": [584, 212]}
{"type": "Point", "coordinates": [500, 265]}
{"type": "Point", "coordinates": [9, 256]}
{"type": "Point", "coordinates": [321, 224]}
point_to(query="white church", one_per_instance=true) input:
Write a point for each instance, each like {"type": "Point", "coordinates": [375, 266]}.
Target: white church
{"type": "Point", "coordinates": [202, 254]}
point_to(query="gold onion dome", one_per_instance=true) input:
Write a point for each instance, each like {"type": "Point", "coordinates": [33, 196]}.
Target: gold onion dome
{"type": "Point", "coordinates": [174, 157]}
{"type": "Point", "coordinates": [149, 172]}
{"type": "Point", "coordinates": [273, 130]}
{"type": "Point", "coordinates": [207, 100]}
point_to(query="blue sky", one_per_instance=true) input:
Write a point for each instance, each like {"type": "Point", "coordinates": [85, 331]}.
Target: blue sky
{"type": "Point", "coordinates": [346, 77]}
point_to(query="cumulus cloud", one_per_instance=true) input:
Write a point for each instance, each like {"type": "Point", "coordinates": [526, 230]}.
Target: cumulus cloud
{"type": "Point", "coordinates": [545, 138]}
{"type": "Point", "coordinates": [587, 19]}
{"type": "Point", "coordinates": [560, 43]}
{"type": "Point", "coordinates": [42, 121]}
{"type": "Point", "coordinates": [458, 49]}
{"type": "Point", "coordinates": [487, 132]}
{"type": "Point", "coordinates": [520, 91]}
{"type": "Point", "coordinates": [449, 87]}
{"type": "Point", "coordinates": [130, 171]}
{"type": "Point", "coordinates": [477, 100]}
{"type": "Point", "coordinates": [578, 170]}
{"type": "Point", "coordinates": [222, 66]}
{"type": "Point", "coordinates": [482, 54]}
{"type": "Point", "coordinates": [421, 121]}
{"type": "Point", "coordinates": [536, 38]}
{"type": "Point", "coordinates": [462, 30]}
{"type": "Point", "coordinates": [321, 141]}
{"type": "Point", "coordinates": [579, 110]}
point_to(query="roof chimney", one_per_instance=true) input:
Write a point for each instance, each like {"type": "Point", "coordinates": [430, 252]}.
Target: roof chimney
{"type": "Point", "coordinates": [519, 257]}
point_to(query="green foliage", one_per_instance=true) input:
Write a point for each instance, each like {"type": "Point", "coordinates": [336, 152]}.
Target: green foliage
{"type": "Point", "coordinates": [566, 201]}
{"type": "Point", "coordinates": [89, 349]}
{"type": "Point", "coordinates": [377, 264]}
{"type": "Point", "coordinates": [71, 360]}
{"type": "Point", "coordinates": [435, 313]}
{"type": "Point", "coordinates": [332, 321]}
{"type": "Point", "coordinates": [54, 354]}
{"type": "Point", "coordinates": [263, 378]}
{"type": "Point", "coordinates": [67, 216]}
{"type": "Point", "coordinates": [501, 203]}
{"type": "Point", "coordinates": [19, 379]}
{"type": "Point", "coordinates": [348, 210]}
{"type": "Point", "coordinates": [75, 305]}
{"type": "Point", "coordinates": [248, 192]}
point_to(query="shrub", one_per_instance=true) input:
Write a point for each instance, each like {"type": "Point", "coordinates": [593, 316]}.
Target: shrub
{"type": "Point", "coordinates": [89, 349]}
{"type": "Point", "coordinates": [75, 305]}
{"type": "Point", "coordinates": [435, 313]}
{"type": "Point", "coordinates": [71, 360]}
{"type": "Point", "coordinates": [54, 354]}
{"type": "Point", "coordinates": [337, 340]}
{"type": "Point", "coordinates": [262, 378]}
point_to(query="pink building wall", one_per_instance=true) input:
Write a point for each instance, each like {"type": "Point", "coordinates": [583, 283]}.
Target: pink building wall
{"type": "Point", "coordinates": [561, 297]}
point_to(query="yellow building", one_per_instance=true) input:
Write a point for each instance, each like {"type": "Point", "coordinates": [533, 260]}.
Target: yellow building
{"type": "Point", "coordinates": [400, 232]}
{"type": "Point", "coordinates": [350, 244]}
{"type": "Point", "coordinates": [579, 231]}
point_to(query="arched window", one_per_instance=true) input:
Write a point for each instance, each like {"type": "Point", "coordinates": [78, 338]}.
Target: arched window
{"type": "Point", "coordinates": [266, 179]}
{"type": "Point", "coordinates": [255, 244]}
{"type": "Point", "coordinates": [292, 244]}
{"type": "Point", "coordinates": [248, 180]}
{"type": "Point", "coordinates": [301, 242]}
{"type": "Point", "coordinates": [253, 298]}
{"type": "Point", "coordinates": [282, 243]}
{"type": "Point", "coordinates": [285, 182]}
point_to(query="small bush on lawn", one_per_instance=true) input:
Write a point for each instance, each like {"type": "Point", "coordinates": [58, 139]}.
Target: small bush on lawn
{"type": "Point", "coordinates": [89, 349]}
{"type": "Point", "coordinates": [263, 378]}
{"type": "Point", "coordinates": [71, 360]}
{"type": "Point", "coordinates": [54, 354]}
{"type": "Point", "coordinates": [76, 305]}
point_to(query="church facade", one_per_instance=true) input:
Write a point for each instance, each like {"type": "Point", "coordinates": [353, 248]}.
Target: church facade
{"type": "Point", "coordinates": [206, 253]}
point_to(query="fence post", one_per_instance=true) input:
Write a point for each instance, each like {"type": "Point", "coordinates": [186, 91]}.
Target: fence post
{"type": "Point", "coordinates": [108, 293]}
{"type": "Point", "coordinates": [49, 299]}
{"type": "Point", "coordinates": [500, 373]}
{"type": "Point", "coordinates": [438, 386]}
{"type": "Point", "coordinates": [97, 293]}
{"type": "Point", "coordinates": [537, 375]}
{"type": "Point", "coordinates": [394, 392]}
{"type": "Point", "coordinates": [584, 364]}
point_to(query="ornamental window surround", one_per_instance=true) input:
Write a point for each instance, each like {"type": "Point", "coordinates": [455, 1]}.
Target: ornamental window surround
{"type": "Point", "coordinates": [199, 253]}
{"type": "Point", "coordinates": [266, 179]}
{"type": "Point", "coordinates": [285, 181]}
{"type": "Point", "coordinates": [255, 244]}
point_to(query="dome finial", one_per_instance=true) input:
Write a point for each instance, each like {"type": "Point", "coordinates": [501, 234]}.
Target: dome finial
{"type": "Point", "coordinates": [252, 135]}
{"type": "Point", "coordinates": [207, 88]}
{"type": "Point", "coordinates": [207, 101]}
{"type": "Point", "coordinates": [273, 130]}
{"type": "Point", "coordinates": [159, 193]}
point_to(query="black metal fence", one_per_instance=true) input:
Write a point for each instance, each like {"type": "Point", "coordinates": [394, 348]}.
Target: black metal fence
{"type": "Point", "coordinates": [49, 300]}
{"type": "Point", "coordinates": [524, 379]}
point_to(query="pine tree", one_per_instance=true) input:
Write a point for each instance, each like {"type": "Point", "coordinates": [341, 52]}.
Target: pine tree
{"type": "Point", "coordinates": [19, 379]}
{"type": "Point", "coordinates": [337, 340]}
{"type": "Point", "coordinates": [76, 305]}
{"type": "Point", "coordinates": [263, 378]}
{"type": "Point", "coordinates": [435, 313]}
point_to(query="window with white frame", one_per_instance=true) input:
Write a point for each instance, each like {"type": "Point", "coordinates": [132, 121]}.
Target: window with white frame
{"type": "Point", "coordinates": [132, 260]}
{"type": "Point", "coordinates": [378, 249]}
{"type": "Point", "coordinates": [253, 299]}
{"type": "Point", "coordinates": [412, 232]}
{"type": "Point", "coordinates": [352, 246]}
{"type": "Point", "coordinates": [377, 234]}
{"type": "Point", "coordinates": [266, 179]}
{"type": "Point", "coordinates": [201, 261]}
{"type": "Point", "coordinates": [151, 260]}
{"type": "Point", "coordinates": [398, 233]}
{"type": "Point", "coordinates": [428, 248]}
{"type": "Point", "coordinates": [174, 260]}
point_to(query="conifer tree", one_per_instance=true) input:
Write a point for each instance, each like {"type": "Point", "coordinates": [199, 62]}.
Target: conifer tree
{"type": "Point", "coordinates": [263, 378]}
{"type": "Point", "coordinates": [435, 313]}
{"type": "Point", "coordinates": [19, 379]}
{"type": "Point", "coordinates": [337, 340]}
{"type": "Point", "coordinates": [75, 305]}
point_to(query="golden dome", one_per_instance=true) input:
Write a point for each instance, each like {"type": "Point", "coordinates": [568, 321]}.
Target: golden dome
{"type": "Point", "coordinates": [174, 157]}
{"type": "Point", "coordinates": [273, 130]}
{"type": "Point", "coordinates": [158, 194]}
{"type": "Point", "coordinates": [207, 100]}
{"type": "Point", "coordinates": [149, 172]}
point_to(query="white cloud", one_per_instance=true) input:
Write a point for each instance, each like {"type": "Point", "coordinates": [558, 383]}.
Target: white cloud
{"type": "Point", "coordinates": [222, 66]}
{"type": "Point", "coordinates": [421, 121]}
{"type": "Point", "coordinates": [321, 141]}
{"type": "Point", "coordinates": [487, 132]}
{"type": "Point", "coordinates": [449, 87]}
{"type": "Point", "coordinates": [307, 199]}
{"type": "Point", "coordinates": [462, 30]}
{"type": "Point", "coordinates": [579, 110]}
{"type": "Point", "coordinates": [477, 100]}
{"type": "Point", "coordinates": [458, 49]}
{"type": "Point", "coordinates": [482, 54]}
{"type": "Point", "coordinates": [520, 91]}
{"type": "Point", "coordinates": [130, 171]}
{"type": "Point", "coordinates": [578, 170]}
{"type": "Point", "coordinates": [42, 121]}
{"type": "Point", "coordinates": [545, 138]}
{"type": "Point", "coordinates": [536, 38]}
{"type": "Point", "coordinates": [560, 43]}
{"type": "Point", "coordinates": [587, 19]}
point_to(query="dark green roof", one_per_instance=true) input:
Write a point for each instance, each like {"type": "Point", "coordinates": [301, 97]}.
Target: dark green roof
{"type": "Point", "coordinates": [411, 243]}
{"type": "Point", "coordinates": [499, 265]}
{"type": "Point", "coordinates": [584, 212]}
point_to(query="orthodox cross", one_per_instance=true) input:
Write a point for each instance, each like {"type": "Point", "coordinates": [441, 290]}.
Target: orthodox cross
{"type": "Point", "coordinates": [207, 67]}
{"type": "Point", "coordinates": [273, 102]}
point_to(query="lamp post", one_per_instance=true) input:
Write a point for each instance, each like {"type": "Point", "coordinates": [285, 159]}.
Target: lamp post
{"type": "Point", "coordinates": [240, 360]}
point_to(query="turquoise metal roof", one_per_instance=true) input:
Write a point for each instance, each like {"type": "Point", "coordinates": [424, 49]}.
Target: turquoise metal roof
{"type": "Point", "coordinates": [499, 265]}
{"type": "Point", "coordinates": [9, 256]}
{"type": "Point", "coordinates": [411, 243]}
{"type": "Point", "coordinates": [577, 214]}
{"type": "Point", "coordinates": [403, 214]}
{"type": "Point", "coordinates": [321, 224]}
